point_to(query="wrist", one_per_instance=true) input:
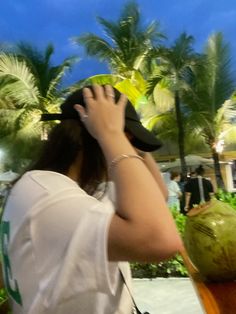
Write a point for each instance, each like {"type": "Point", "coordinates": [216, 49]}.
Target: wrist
{"type": "Point", "coordinates": [110, 138]}
{"type": "Point", "coordinates": [115, 144]}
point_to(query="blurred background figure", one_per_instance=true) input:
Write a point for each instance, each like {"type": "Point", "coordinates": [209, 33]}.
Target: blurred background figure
{"type": "Point", "coordinates": [174, 190]}
{"type": "Point", "coordinates": [191, 175]}
{"type": "Point", "coordinates": [198, 189]}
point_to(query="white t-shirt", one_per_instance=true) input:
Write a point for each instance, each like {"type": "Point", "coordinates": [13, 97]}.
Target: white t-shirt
{"type": "Point", "coordinates": [55, 249]}
{"type": "Point", "coordinates": [173, 188]}
{"type": "Point", "coordinates": [173, 194]}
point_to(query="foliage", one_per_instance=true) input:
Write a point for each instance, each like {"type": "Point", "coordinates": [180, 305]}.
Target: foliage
{"type": "Point", "coordinates": [3, 296]}
{"type": "Point", "coordinates": [211, 112]}
{"type": "Point", "coordinates": [170, 268]}
{"type": "Point", "coordinates": [227, 197]}
{"type": "Point", "coordinates": [29, 85]}
{"type": "Point", "coordinates": [127, 44]}
{"type": "Point", "coordinates": [174, 72]}
{"type": "Point", "coordinates": [180, 220]}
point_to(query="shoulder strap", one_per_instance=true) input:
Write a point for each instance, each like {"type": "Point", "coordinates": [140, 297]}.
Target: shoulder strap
{"type": "Point", "coordinates": [201, 190]}
{"type": "Point", "coordinates": [137, 311]}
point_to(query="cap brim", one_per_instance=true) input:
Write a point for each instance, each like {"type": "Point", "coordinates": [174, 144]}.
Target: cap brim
{"type": "Point", "coordinates": [143, 138]}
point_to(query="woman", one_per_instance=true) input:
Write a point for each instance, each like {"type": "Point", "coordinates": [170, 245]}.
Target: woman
{"type": "Point", "coordinates": [174, 191]}
{"type": "Point", "coordinates": [67, 237]}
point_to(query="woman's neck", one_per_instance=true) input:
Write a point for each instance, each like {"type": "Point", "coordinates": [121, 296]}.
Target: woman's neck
{"type": "Point", "coordinates": [74, 170]}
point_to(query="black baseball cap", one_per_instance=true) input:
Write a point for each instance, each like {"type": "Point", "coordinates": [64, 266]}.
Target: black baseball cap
{"type": "Point", "coordinates": [142, 139]}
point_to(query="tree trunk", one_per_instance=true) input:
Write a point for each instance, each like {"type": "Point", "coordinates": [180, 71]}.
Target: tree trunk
{"type": "Point", "coordinates": [181, 136]}
{"type": "Point", "coordinates": [219, 178]}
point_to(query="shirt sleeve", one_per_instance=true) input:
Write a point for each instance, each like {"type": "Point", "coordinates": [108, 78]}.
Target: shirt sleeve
{"type": "Point", "coordinates": [70, 245]}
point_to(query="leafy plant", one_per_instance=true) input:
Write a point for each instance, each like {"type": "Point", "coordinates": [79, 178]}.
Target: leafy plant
{"type": "Point", "coordinates": [4, 306]}
{"type": "Point", "coordinates": [3, 296]}
{"type": "Point", "coordinates": [227, 197]}
{"type": "Point", "coordinates": [170, 268]}
{"type": "Point", "coordinates": [180, 220]}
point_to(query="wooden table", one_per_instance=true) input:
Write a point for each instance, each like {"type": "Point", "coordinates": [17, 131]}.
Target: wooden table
{"type": "Point", "coordinates": [215, 298]}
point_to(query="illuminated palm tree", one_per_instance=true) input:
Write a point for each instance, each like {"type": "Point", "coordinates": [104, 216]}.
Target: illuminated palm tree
{"type": "Point", "coordinates": [127, 45]}
{"type": "Point", "coordinates": [174, 72]}
{"type": "Point", "coordinates": [29, 85]}
{"type": "Point", "coordinates": [212, 109]}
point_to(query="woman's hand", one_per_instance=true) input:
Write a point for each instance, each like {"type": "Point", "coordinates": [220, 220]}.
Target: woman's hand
{"type": "Point", "coordinates": [102, 115]}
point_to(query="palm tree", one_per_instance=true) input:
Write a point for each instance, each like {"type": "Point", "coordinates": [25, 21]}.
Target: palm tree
{"type": "Point", "coordinates": [29, 85]}
{"type": "Point", "coordinates": [212, 111]}
{"type": "Point", "coordinates": [127, 49]}
{"type": "Point", "coordinates": [174, 73]}
{"type": "Point", "coordinates": [127, 45]}
{"type": "Point", "coordinates": [48, 78]}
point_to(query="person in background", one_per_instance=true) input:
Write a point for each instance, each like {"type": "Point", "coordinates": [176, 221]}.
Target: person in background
{"type": "Point", "coordinates": [90, 204]}
{"type": "Point", "coordinates": [198, 189]}
{"type": "Point", "coordinates": [174, 191]}
{"type": "Point", "coordinates": [191, 175]}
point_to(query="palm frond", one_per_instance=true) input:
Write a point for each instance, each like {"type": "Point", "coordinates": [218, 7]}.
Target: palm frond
{"type": "Point", "coordinates": [229, 134]}
{"type": "Point", "coordinates": [33, 58]}
{"type": "Point", "coordinates": [152, 82]}
{"type": "Point", "coordinates": [7, 121]}
{"type": "Point", "coordinates": [127, 44]}
{"type": "Point", "coordinates": [183, 46]}
{"type": "Point", "coordinates": [164, 125]}
{"type": "Point", "coordinates": [218, 73]}
{"type": "Point", "coordinates": [209, 105]}
{"type": "Point", "coordinates": [112, 30]}
{"type": "Point", "coordinates": [48, 53]}
{"type": "Point", "coordinates": [103, 79]}
{"type": "Point", "coordinates": [130, 9]}
{"type": "Point", "coordinates": [57, 73]}
{"type": "Point", "coordinates": [129, 89]}
{"type": "Point", "coordinates": [163, 97]}
{"type": "Point", "coordinates": [21, 85]}
{"type": "Point", "coordinates": [94, 45]}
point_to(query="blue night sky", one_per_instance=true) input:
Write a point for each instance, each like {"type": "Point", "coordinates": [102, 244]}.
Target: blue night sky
{"type": "Point", "coordinates": [56, 21]}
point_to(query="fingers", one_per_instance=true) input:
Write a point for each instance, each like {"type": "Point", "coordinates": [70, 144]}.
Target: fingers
{"type": "Point", "coordinates": [122, 102]}
{"type": "Point", "coordinates": [99, 94]}
{"type": "Point", "coordinates": [98, 91]}
{"type": "Point", "coordinates": [81, 111]}
{"type": "Point", "coordinates": [88, 94]}
{"type": "Point", "coordinates": [100, 114]}
{"type": "Point", "coordinates": [89, 100]}
{"type": "Point", "coordinates": [109, 92]}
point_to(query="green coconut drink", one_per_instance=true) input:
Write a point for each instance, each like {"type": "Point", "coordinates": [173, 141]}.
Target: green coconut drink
{"type": "Point", "coordinates": [210, 240]}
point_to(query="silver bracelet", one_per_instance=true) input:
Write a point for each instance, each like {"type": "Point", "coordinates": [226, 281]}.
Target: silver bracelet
{"type": "Point", "coordinates": [117, 159]}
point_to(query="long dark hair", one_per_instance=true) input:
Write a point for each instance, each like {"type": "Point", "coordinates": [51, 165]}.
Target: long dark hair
{"type": "Point", "coordinates": [66, 141]}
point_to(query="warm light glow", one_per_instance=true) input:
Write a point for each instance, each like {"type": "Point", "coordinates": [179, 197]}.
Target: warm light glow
{"type": "Point", "coordinates": [219, 146]}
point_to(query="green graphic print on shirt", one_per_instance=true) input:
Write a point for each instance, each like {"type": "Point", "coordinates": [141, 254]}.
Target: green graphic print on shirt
{"type": "Point", "coordinates": [10, 283]}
